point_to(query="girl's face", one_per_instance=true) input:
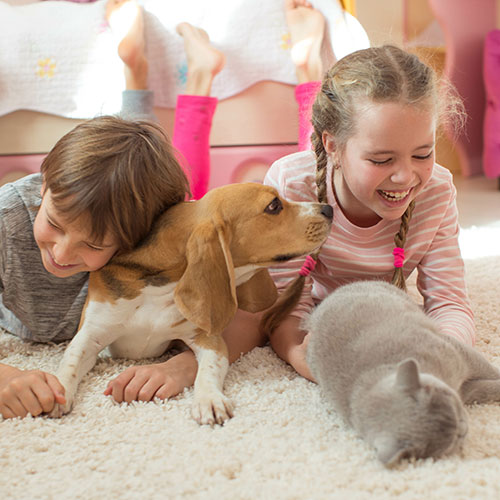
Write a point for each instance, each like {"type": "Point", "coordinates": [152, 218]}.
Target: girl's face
{"type": "Point", "coordinates": [386, 163]}
{"type": "Point", "coordinates": [68, 249]}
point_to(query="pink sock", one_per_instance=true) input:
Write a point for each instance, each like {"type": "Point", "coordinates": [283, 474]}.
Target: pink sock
{"type": "Point", "coordinates": [191, 137]}
{"type": "Point", "coordinates": [305, 93]}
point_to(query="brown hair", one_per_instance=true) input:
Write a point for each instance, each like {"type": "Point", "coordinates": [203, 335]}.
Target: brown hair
{"type": "Point", "coordinates": [377, 74]}
{"type": "Point", "coordinates": [119, 174]}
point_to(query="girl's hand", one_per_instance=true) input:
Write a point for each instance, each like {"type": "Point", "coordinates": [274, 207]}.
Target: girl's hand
{"type": "Point", "coordinates": [161, 380]}
{"type": "Point", "coordinates": [28, 391]}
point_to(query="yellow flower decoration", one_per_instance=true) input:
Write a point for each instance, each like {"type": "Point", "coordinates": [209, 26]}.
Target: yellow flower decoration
{"type": "Point", "coordinates": [46, 67]}
{"type": "Point", "coordinates": [286, 41]}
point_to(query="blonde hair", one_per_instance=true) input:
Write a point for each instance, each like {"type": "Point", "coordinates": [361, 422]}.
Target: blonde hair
{"type": "Point", "coordinates": [118, 174]}
{"type": "Point", "coordinates": [378, 74]}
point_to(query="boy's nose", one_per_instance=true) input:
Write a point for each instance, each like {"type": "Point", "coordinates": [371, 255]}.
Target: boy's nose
{"type": "Point", "coordinates": [63, 252]}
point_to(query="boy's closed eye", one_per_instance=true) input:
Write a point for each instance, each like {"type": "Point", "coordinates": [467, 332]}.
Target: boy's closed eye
{"type": "Point", "coordinates": [53, 224]}
{"type": "Point", "coordinates": [93, 247]}
{"type": "Point", "coordinates": [90, 245]}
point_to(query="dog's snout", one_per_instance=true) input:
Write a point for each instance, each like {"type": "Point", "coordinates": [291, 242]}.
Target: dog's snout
{"type": "Point", "coordinates": [327, 211]}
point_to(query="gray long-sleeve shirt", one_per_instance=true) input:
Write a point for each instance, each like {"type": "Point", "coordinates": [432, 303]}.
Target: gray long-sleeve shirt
{"type": "Point", "coordinates": [34, 304]}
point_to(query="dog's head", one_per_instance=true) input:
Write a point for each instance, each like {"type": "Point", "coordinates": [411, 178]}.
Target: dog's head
{"type": "Point", "coordinates": [240, 230]}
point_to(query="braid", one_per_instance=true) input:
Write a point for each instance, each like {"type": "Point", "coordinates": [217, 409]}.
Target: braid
{"type": "Point", "coordinates": [287, 301]}
{"type": "Point", "coordinates": [398, 277]}
{"type": "Point", "coordinates": [321, 162]}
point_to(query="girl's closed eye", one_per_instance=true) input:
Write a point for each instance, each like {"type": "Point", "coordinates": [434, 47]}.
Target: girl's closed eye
{"type": "Point", "coordinates": [380, 162]}
{"type": "Point", "coordinates": [424, 157]}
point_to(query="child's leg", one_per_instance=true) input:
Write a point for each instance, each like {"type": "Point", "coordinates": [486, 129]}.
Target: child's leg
{"type": "Point", "coordinates": [305, 93]}
{"type": "Point", "coordinates": [126, 19]}
{"type": "Point", "coordinates": [195, 110]}
{"type": "Point", "coordinates": [306, 27]}
{"type": "Point", "coordinates": [191, 138]}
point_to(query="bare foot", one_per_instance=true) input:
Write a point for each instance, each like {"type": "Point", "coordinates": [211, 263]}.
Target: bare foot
{"type": "Point", "coordinates": [307, 26]}
{"type": "Point", "coordinates": [204, 61]}
{"type": "Point", "coordinates": [126, 19]}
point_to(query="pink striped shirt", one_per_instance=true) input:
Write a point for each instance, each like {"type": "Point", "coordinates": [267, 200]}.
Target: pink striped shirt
{"type": "Point", "coordinates": [354, 253]}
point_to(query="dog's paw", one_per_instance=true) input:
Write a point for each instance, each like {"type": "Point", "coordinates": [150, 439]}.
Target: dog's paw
{"type": "Point", "coordinates": [59, 410]}
{"type": "Point", "coordinates": [213, 409]}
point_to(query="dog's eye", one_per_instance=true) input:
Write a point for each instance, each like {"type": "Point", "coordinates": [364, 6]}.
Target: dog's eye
{"type": "Point", "coordinates": [275, 207]}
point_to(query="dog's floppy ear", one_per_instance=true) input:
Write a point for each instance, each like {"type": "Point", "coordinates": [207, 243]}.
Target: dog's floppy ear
{"type": "Point", "coordinates": [205, 294]}
{"type": "Point", "coordinates": [258, 293]}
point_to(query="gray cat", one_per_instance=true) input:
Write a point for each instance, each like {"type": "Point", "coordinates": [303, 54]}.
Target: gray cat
{"type": "Point", "coordinates": [384, 367]}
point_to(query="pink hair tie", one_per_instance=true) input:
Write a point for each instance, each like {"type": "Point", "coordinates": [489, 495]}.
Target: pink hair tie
{"type": "Point", "coordinates": [308, 266]}
{"type": "Point", "coordinates": [399, 256]}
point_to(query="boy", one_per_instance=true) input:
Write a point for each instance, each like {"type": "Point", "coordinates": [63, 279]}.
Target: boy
{"type": "Point", "coordinates": [99, 190]}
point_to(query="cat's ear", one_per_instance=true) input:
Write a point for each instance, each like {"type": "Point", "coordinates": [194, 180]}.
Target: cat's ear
{"type": "Point", "coordinates": [407, 377]}
{"type": "Point", "coordinates": [389, 450]}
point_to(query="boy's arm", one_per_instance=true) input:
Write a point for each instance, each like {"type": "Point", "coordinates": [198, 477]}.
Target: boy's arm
{"type": "Point", "coordinates": [28, 391]}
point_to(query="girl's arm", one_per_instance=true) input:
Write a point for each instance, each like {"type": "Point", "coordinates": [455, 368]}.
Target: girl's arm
{"type": "Point", "coordinates": [441, 279]}
{"type": "Point", "coordinates": [289, 342]}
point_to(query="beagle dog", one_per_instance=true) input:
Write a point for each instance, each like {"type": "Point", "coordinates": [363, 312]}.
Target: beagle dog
{"type": "Point", "coordinates": [202, 260]}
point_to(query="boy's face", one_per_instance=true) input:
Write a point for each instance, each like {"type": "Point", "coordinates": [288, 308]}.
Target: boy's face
{"type": "Point", "coordinates": [68, 249]}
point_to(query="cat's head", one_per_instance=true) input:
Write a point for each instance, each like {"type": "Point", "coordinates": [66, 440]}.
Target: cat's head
{"type": "Point", "coordinates": [418, 416]}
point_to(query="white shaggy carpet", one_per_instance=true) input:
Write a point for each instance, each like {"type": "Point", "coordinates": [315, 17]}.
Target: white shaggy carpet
{"type": "Point", "coordinates": [282, 443]}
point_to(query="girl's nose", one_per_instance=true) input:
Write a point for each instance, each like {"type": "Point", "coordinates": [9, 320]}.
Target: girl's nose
{"type": "Point", "coordinates": [403, 173]}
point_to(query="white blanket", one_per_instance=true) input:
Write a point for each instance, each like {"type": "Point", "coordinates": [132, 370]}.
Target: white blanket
{"type": "Point", "coordinates": [61, 57]}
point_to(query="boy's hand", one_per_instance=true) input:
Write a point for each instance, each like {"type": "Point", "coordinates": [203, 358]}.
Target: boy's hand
{"type": "Point", "coordinates": [162, 380]}
{"type": "Point", "coordinates": [28, 391]}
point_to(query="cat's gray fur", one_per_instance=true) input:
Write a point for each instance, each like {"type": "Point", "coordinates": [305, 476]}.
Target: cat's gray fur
{"type": "Point", "coordinates": [383, 366]}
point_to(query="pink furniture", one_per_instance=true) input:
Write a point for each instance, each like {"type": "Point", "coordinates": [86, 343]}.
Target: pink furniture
{"type": "Point", "coordinates": [228, 164]}
{"type": "Point", "coordinates": [12, 166]}
{"type": "Point", "coordinates": [244, 163]}
{"type": "Point", "coordinates": [465, 24]}
{"type": "Point", "coordinates": [491, 131]}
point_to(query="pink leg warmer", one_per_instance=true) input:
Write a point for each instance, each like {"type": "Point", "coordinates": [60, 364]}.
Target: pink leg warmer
{"type": "Point", "coordinates": [305, 93]}
{"type": "Point", "coordinates": [191, 137]}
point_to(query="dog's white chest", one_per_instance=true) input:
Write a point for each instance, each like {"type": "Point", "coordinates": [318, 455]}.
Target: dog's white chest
{"type": "Point", "coordinates": [142, 327]}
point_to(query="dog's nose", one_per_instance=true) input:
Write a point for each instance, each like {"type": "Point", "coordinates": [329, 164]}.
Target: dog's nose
{"type": "Point", "coordinates": [327, 211]}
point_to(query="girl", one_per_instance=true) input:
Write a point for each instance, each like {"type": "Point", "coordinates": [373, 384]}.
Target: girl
{"type": "Point", "coordinates": [374, 119]}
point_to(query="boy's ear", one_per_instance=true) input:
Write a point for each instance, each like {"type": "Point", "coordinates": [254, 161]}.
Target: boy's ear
{"type": "Point", "coordinates": [42, 189]}
{"type": "Point", "coordinates": [328, 142]}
